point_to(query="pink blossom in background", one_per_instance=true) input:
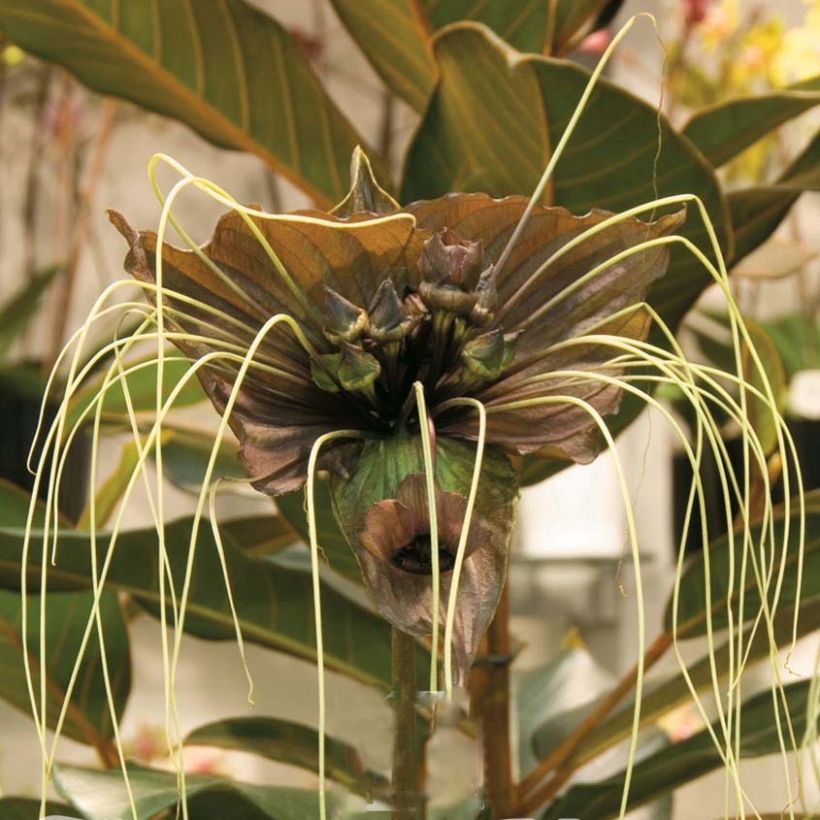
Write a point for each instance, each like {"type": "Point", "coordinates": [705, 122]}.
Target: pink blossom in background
{"type": "Point", "coordinates": [695, 11]}
{"type": "Point", "coordinates": [596, 42]}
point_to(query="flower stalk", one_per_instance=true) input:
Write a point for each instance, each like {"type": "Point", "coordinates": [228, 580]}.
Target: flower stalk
{"type": "Point", "coordinates": [408, 744]}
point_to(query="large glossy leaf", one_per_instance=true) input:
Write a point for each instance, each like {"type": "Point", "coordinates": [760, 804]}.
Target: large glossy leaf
{"type": "Point", "coordinates": [26, 808]}
{"type": "Point", "coordinates": [223, 68]}
{"type": "Point", "coordinates": [109, 493]}
{"type": "Point", "coordinates": [692, 615]}
{"type": "Point", "coordinates": [495, 115]}
{"type": "Point", "coordinates": [14, 503]}
{"type": "Point", "coordinates": [717, 349]}
{"type": "Point", "coordinates": [101, 795]}
{"type": "Point", "coordinates": [756, 212]}
{"type": "Point", "coordinates": [260, 534]}
{"type": "Point", "coordinates": [797, 338]}
{"type": "Point", "coordinates": [273, 603]}
{"type": "Point", "coordinates": [142, 390]}
{"type": "Point", "coordinates": [88, 718]}
{"type": "Point", "coordinates": [722, 131]}
{"type": "Point", "coordinates": [683, 762]}
{"type": "Point", "coordinates": [395, 35]}
{"type": "Point", "coordinates": [185, 456]}
{"type": "Point", "coordinates": [17, 312]}
{"type": "Point", "coordinates": [524, 25]}
{"type": "Point", "coordinates": [291, 743]}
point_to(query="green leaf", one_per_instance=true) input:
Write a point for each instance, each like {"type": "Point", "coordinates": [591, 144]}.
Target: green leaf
{"type": "Point", "coordinates": [683, 762]}
{"type": "Point", "coordinates": [335, 548]}
{"type": "Point", "coordinates": [112, 489]}
{"type": "Point", "coordinates": [797, 338]}
{"type": "Point", "coordinates": [722, 131]}
{"type": "Point", "coordinates": [673, 692]}
{"type": "Point", "coordinates": [395, 35]}
{"type": "Point", "coordinates": [273, 603]}
{"type": "Point", "coordinates": [523, 24]}
{"type": "Point", "coordinates": [14, 504]}
{"type": "Point", "coordinates": [225, 69]}
{"type": "Point", "coordinates": [291, 743]}
{"type": "Point", "coordinates": [692, 601]}
{"type": "Point", "coordinates": [142, 387]}
{"type": "Point", "coordinates": [760, 416]}
{"type": "Point", "coordinates": [260, 535]}
{"type": "Point", "coordinates": [26, 808]}
{"type": "Point", "coordinates": [88, 719]}
{"type": "Point", "coordinates": [394, 38]}
{"type": "Point", "coordinates": [18, 311]}
{"type": "Point", "coordinates": [101, 795]}
{"type": "Point", "coordinates": [717, 349]}
{"type": "Point", "coordinates": [756, 212]}
{"type": "Point", "coordinates": [185, 455]}
{"type": "Point", "coordinates": [495, 115]}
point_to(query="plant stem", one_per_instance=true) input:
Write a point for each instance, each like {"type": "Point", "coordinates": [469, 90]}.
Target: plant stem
{"type": "Point", "coordinates": [490, 704]}
{"type": "Point", "coordinates": [533, 792]}
{"type": "Point", "coordinates": [408, 760]}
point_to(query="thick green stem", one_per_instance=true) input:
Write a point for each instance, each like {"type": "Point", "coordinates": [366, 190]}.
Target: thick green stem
{"type": "Point", "coordinates": [408, 745]}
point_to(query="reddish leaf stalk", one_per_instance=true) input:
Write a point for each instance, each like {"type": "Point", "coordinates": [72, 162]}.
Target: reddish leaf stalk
{"type": "Point", "coordinates": [533, 791]}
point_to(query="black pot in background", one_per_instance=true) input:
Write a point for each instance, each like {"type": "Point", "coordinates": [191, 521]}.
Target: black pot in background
{"type": "Point", "coordinates": [18, 422]}
{"type": "Point", "coordinates": [806, 434]}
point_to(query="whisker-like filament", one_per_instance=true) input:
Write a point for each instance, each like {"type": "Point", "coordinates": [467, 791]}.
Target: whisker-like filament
{"type": "Point", "coordinates": [428, 452]}
{"type": "Point", "coordinates": [716, 442]}
{"type": "Point", "coordinates": [452, 598]}
{"type": "Point", "coordinates": [310, 493]}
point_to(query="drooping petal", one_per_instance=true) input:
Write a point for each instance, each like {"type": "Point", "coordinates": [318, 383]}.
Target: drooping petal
{"type": "Point", "coordinates": [279, 412]}
{"type": "Point", "coordinates": [405, 600]}
{"type": "Point", "coordinates": [549, 302]}
{"type": "Point", "coordinates": [276, 437]}
{"type": "Point", "coordinates": [388, 526]}
{"type": "Point", "coordinates": [566, 429]}
{"type": "Point", "coordinates": [393, 469]}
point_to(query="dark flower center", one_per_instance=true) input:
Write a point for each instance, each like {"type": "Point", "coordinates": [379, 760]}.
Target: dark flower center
{"type": "Point", "coordinates": [416, 557]}
{"type": "Point", "coordinates": [438, 334]}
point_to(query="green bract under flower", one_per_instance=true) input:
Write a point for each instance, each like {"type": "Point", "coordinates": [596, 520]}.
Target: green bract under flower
{"type": "Point", "coordinates": [384, 305]}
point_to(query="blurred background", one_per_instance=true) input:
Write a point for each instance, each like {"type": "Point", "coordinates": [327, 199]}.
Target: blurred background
{"type": "Point", "coordinates": [67, 154]}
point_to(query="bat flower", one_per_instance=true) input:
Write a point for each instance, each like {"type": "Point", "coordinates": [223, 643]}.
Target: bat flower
{"type": "Point", "coordinates": [386, 297]}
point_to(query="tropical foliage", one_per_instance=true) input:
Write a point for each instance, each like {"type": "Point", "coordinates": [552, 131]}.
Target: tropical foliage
{"type": "Point", "coordinates": [495, 98]}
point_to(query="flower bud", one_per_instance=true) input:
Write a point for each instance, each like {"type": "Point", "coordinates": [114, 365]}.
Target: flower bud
{"type": "Point", "coordinates": [446, 259]}
{"type": "Point", "coordinates": [343, 319]}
